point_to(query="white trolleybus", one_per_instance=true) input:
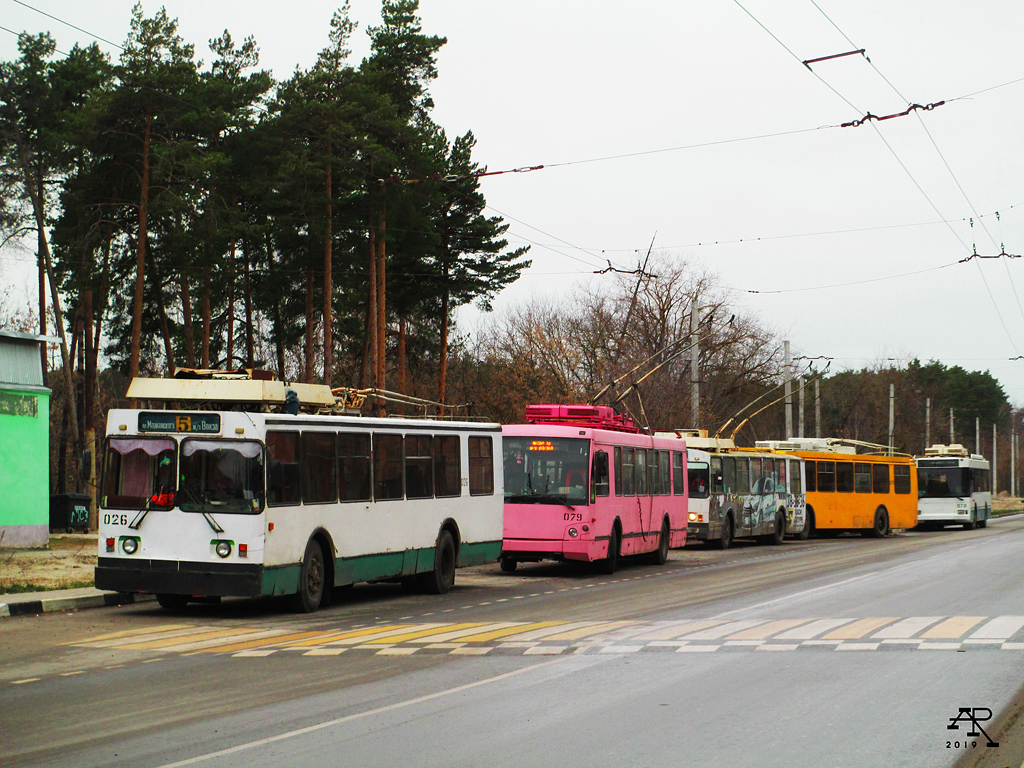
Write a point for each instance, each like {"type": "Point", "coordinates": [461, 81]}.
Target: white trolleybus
{"type": "Point", "coordinates": [741, 492]}
{"type": "Point", "coordinates": [248, 487]}
{"type": "Point", "coordinates": [953, 488]}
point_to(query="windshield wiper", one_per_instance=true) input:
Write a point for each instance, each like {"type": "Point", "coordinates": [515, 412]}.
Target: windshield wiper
{"type": "Point", "coordinates": [529, 497]}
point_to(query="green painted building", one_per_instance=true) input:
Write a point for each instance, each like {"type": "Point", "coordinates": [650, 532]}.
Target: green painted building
{"type": "Point", "coordinates": [24, 442]}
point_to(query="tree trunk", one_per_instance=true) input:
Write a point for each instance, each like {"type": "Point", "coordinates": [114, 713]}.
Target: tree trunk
{"type": "Point", "coordinates": [401, 355]}
{"type": "Point", "coordinates": [231, 305]}
{"type": "Point", "coordinates": [140, 248]}
{"type": "Point", "coordinates": [328, 293]}
{"type": "Point", "coordinates": [442, 368]}
{"type": "Point", "coordinates": [90, 408]}
{"type": "Point", "coordinates": [206, 315]}
{"type": "Point", "coordinates": [371, 307]}
{"type": "Point", "coordinates": [250, 342]}
{"type": "Point", "coordinates": [381, 292]}
{"type": "Point", "coordinates": [165, 329]}
{"type": "Point", "coordinates": [186, 321]}
{"type": "Point", "coordinates": [308, 368]}
{"type": "Point", "coordinates": [278, 330]}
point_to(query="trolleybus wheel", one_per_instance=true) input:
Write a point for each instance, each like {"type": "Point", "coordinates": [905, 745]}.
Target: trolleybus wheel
{"type": "Point", "coordinates": [779, 534]}
{"type": "Point", "coordinates": [881, 527]}
{"type": "Point", "coordinates": [311, 580]}
{"type": "Point", "coordinates": [660, 555]}
{"type": "Point", "coordinates": [508, 564]}
{"type": "Point", "coordinates": [442, 577]}
{"type": "Point", "coordinates": [726, 538]}
{"type": "Point", "coordinates": [983, 523]}
{"type": "Point", "coordinates": [172, 602]}
{"type": "Point", "coordinates": [610, 563]}
{"type": "Point", "coordinates": [805, 533]}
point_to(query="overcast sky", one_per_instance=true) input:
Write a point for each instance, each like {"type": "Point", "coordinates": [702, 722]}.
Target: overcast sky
{"type": "Point", "coordinates": [695, 124]}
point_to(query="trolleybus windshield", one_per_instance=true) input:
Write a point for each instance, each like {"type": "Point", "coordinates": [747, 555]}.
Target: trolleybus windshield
{"type": "Point", "coordinates": [221, 476]}
{"type": "Point", "coordinates": [942, 482]}
{"type": "Point", "coordinates": [546, 470]}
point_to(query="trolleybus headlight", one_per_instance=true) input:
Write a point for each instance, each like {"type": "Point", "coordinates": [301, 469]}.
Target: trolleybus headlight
{"type": "Point", "coordinates": [693, 516]}
{"type": "Point", "coordinates": [573, 532]}
{"type": "Point", "coordinates": [223, 548]}
{"type": "Point", "coordinates": [586, 528]}
{"type": "Point", "coordinates": [130, 545]}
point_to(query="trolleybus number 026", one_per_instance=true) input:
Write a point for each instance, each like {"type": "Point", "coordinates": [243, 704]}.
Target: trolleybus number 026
{"type": "Point", "coordinates": [179, 422]}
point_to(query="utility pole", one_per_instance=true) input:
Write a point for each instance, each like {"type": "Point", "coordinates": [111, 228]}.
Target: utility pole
{"type": "Point", "coordinates": [694, 360]}
{"type": "Point", "coordinates": [977, 434]}
{"type": "Point", "coordinates": [952, 439]}
{"type": "Point", "coordinates": [1013, 456]}
{"type": "Point", "coordinates": [817, 410]}
{"type": "Point", "coordinates": [892, 415]}
{"type": "Point", "coordinates": [927, 423]}
{"type": "Point", "coordinates": [995, 466]}
{"type": "Point", "coordinates": [800, 430]}
{"type": "Point", "coordinates": [789, 393]}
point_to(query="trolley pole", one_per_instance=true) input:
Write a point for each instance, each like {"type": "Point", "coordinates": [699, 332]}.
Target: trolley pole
{"type": "Point", "coordinates": [892, 414]}
{"type": "Point", "coordinates": [789, 394]}
{"type": "Point", "coordinates": [694, 359]}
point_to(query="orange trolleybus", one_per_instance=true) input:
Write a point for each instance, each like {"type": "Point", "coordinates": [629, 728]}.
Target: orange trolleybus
{"type": "Point", "coordinates": [867, 493]}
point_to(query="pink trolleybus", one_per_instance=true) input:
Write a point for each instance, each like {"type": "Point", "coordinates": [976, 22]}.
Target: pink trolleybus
{"type": "Point", "coordinates": [582, 483]}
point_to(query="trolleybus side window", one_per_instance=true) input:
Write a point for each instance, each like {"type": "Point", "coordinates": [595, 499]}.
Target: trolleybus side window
{"type": "Point", "coordinates": [354, 466]}
{"type": "Point", "coordinates": [826, 476]}
{"type": "Point", "coordinates": [641, 472]}
{"type": "Point", "coordinates": [844, 476]}
{"type": "Point", "coordinates": [419, 470]}
{"type": "Point", "coordinates": [716, 474]}
{"type": "Point", "coordinates": [678, 476]}
{"type": "Point", "coordinates": [782, 466]}
{"type": "Point", "coordinates": [139, 470]}
{"type": "Point", "coordinates": [880, 478]}
{"type": "Point", "coordinates": [794, 477]}
{"type": "Point", "coordinates": [599, 481]}
{"type": "Point", "coordinates": [811, 474]}
{"type": "Point", "coordinates": [628, 459]}
{"type": "Point", "coordinates": [742, 476]}
{"type": "Point", "coordinates": [729, 474]}
{"type": "Point", "coordinates": [653, 473]}
{"type": "Point", "coordinates": [618, 471]}
{"type": "Point", "coordinates": [387, 467]}
{"type": "Point", "coordinates": [698, 477]}
{"type": "Point", "coordinates": [221, 476]}
{"type": "Point", "coordinates": [319, 468]}
{"type": "Point", "coordinates": [283, 455]}
{"type": "Point", "coordinates": [901, 478]}
{"type": "Point", "coordinates": [447, 466]}
{"type": "Point", "coordinates": [862, 477]}
{"type": "Point", "coordinates": [756, 480]}
{"type": "Point", "coordinates": [481, 467]}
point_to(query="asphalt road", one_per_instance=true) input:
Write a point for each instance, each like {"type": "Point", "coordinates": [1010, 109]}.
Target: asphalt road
{"type": "Point", "coordinates": [846, 652]}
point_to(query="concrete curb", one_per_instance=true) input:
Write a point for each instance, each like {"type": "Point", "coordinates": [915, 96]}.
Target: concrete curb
{"type": "Point", "coordinates": [27, 604]}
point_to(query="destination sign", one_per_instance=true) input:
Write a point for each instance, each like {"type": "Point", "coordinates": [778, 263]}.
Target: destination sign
{"type": "Point", "coordinates": [938, 462]}
{"type": "Point", "coordinates": [168, 421]}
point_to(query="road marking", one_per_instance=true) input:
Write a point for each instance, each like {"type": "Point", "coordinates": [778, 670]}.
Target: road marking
{"type": "Point", "coordinates": [729, 628]}
{"type": "Point", "coordinates": [767, 630]}
{"type": "Point", "coordinates": [858, 629]}
{"type": "Point", "coordinates": [815, 628]}
{"type": "Point", "coordinates": [907, 627]}
{"type": "Point", "coordinates": [1000, 627]}
{"type": "Point", "coordinates": [486, 637]}
{"type": "Point", "coordinates": [130, 633]}
{"type": "Point", "coordinates": [430, 630]}
{"type": "Point", "coordinates": [26, 680]}
{"type": "Point", "coordinates": [857, 647]}
{"type": "Point", "coordinates": [954, 626]}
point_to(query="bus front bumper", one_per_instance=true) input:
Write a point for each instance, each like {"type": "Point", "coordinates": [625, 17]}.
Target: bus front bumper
{"type": "Point", "coordinates": [704, 531]}
{"type": "Point", "coordinates": [530, 550]}
{"type": "Point", "coordinates": [174, 577]}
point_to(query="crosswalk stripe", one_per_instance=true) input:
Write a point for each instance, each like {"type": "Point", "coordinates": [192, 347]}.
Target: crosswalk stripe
{"type": "Point", "coordinates": [554, 629]}
{"type": "Point", "coordinates": [130, 642]}
{"type": "Point", "coordinates": [197, 645]}
{"type": "Point", "coordinates": [129, 633]}
{"type": "Point", "coordinates": [954, 626]}
{"type": "Point", "coordinates": [355, 635]}
{"type": "Point", "coordinates": [906, 628]}
{"type": "Point", "coordinates": [1000, 628]}
{"type": "Point", "coordinates": [431, 631]}
{"type": "Point", "coordinates": [729, 628]}
{"type": "Point", "coordinates": [674, 629]}
{"type": "Point", "coordinates": [450, 633]}
{"type": "Point", "coordinates": [280, 639]}
{"type": "Point", "coordinates": [169, 641]}
{"type": "Point", "coordinates": [485, 637]}
{"type": "Point", "coordinates": [812, 630]}
{"type": "Point", "coordinates": [764, 631]}
{"type": "Point", "coordinates": [579, 634]}
{"type": "Point", "coordinates": [858, 628]}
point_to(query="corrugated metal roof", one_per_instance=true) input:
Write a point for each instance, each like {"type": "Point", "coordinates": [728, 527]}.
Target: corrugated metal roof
{"type": "Point", "coordinates": [20, 362]}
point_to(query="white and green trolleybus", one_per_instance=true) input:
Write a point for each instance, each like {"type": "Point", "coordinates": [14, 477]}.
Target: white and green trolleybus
{"type": "Point", "coordinates": [251, 487]}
